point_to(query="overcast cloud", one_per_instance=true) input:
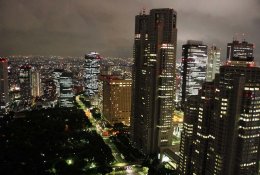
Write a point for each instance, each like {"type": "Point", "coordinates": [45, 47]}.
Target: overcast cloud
{"type": "Point", "coordinates": [74, 27]}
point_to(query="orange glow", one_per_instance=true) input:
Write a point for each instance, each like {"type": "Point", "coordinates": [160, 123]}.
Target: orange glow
{"type": "Point", "coordinates": [177, 117]}
{"type": "Point", "coordinates": [87, 113]}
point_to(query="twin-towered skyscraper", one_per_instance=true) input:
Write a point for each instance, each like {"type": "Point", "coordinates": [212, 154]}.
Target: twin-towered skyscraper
{"type": "Point", "coordinates": [154, 80]}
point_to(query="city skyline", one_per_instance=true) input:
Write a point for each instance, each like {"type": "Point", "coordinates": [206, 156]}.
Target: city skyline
{"type": "Point", "coordinates": [180, 94]}
{"type": "Point", "coordinates": [66, 28]}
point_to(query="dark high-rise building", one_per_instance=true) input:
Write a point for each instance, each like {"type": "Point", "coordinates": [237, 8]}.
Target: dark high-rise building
{"type": "Point", "coordinates": [240, 54]}
{"type": "Point", "coordinates": [240, 51]}
{"type": "Point", "coordinates": [153, 80]}
{"type": "Point", "coordinates": [25, 75]}
{"type": "Point", "coordinates": [49, 90]}
{"type": "Point", "coordinates": [195, 135]}
{"type": "Point", "coordinates": [4, 95]}
{"type": "Point", "coordinates": [226, 138]}
{"type": "Point", "coordinates": [188, 133]}
{"type": "Point", "coordinates": [194, 64]}
{"type": "Point", "coordinates": [202, 128]}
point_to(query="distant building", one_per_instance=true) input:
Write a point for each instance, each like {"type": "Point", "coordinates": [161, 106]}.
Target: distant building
{"type": "Point", "coordinates": [194, 62]}
{"type": "Point", "coordinates": [49, 90]}
{"type": "Point", "coordinates": [56, 78]}
{"type": "Point", "coordinates": [240, 52]}
{"type": "Point", "coordinates": [66, 98]}
{"type": "Point", "coordinates": [92, 67]}
{"type": "Point", "coordinates": [154, 80]}
{"type": "Point", "coordinates": [213, 63]}
{"type": "Point", "coordinates": [36, 83]}
{"type": "Point", "coordinates": [25, 75]}
{"type": "Point", "coordinates": [14, 93]}
{"type": "Point", "coordinates": [117, 94]}
{"type": "Point", "coordinates": [4, 94]}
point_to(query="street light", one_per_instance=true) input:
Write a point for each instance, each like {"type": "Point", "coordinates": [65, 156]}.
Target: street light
{"type": "Point", "coordinates": [69, 161]}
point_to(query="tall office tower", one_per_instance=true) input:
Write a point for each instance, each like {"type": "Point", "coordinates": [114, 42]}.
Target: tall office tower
{"type": "Point", "coordinates": [36, 83]}
{"type": "Point", "coordinates": [25, 74]}
{"type": "Point", "coordinates": [66, 98]}
{"type": "Point", "coordinates": [117, 94]}
{"type": "Point", "coordinates": [236, 124]}
{"type": "Point", "coordinates": [202, 128]}
{"type": "Point", "coordinates": [56, 78]}
{"type": "Point", "coordinates": [153, 80]}
{"type": "Point", "coordinates": [213, 63]}
{"type": "Point", "coordinates": [226, 135]}
{"type": "Point", "coordinates": [195, 135]}
{"type": "Point", "coordinates": [92, 67]}
{"type": "Point", "coordinates": [227, 132]}
{"type": "Point", "coordinates": [4, 95]}
{"type": "Point", "coordinates": [49, 90]}
{"type": "Point", "coordinates": [194, 63]}
{"type": "Point", "coordinates": [240, 53]}
{"type": "Point", "coordinates": [188, 133]}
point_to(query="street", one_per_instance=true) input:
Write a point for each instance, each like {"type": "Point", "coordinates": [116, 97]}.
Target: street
{"type": "Point", "coordinates": [120, 166]}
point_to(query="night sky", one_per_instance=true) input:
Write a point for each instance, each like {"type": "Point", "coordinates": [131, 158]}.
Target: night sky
{"type": "Point", "coordinates": [74, 27]}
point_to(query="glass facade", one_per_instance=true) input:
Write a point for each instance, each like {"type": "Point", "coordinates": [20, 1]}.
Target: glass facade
{"type": "Point", "coordinates": [240, 51]}
{"type": "Point", "coordinates": [92, 70]}
{"type": "Point", "coordinates": [194, 64]}
{"type": "Point", "coordinates": [66, 90]}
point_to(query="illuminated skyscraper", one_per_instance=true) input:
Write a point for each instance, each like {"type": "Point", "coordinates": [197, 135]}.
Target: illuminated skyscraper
{"type": "Point", "coordinates": [36, 83]}
{"type": "Point", "coordinates": [25, 74]}
{"type": "Point", "coordinates": [240, 53]}
{"type": "Point", "coordinates": [178, 85]}
{"type": "Point", "coordinates": [153, 80]}
{"type": "Point", "coordinates": [188, 134]}
{"type": "Point", "coordinates": [66, 98]}
{"type": "Point", "coordinates": [236, 125]}
{"type": "Point", "coordinates": [194, 63]}
{"type": "Point", "coordinates": [117, 94]}
{"type": "Point", "coordinates": [226, 129]}
{"type": "Point", "coordinates": [213, 63]}
{"type": "Point", "coordinates": [92, 67]}
{"type": "Point", "coordinates": [4, 95]}
{"type": "Point", "coordinates": [56, 78]}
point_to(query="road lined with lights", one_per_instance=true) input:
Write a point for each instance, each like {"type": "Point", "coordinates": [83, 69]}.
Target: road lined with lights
{"type": "Point", "coordinates": [120, 166]}
{"type": "Point", "coordinates": [117, 155]}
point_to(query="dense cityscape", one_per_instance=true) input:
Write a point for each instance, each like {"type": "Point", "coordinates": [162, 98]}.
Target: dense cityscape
{"type": "Point", "coordinates": [150, 114]}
